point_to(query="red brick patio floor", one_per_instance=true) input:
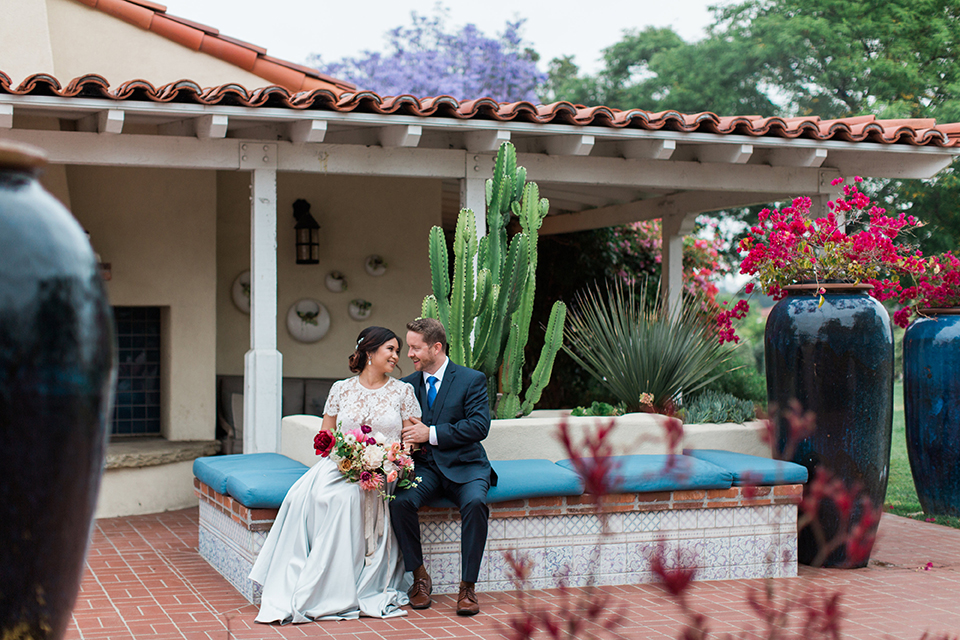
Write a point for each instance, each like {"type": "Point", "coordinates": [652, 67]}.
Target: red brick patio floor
{"type": "Point", "coordinates": [145, 579]}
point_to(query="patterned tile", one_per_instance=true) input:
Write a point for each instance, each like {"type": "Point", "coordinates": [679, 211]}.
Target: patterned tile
{"type": "Point", "coordinates": [713, 573]}
{"type": "Point", "coordinates": [643, 521]}
{"type": "Point", "coordinates": [716, 552]}
{"type": "Point", "coordinates": [583, 525]}
{"type": "Point", "coordinates": [534, 527]}
{"type": "Point", "coordinates": [637, 556]}
{"type": "Point", "coordinates": [495, 529]}
{"type": "Point", "coordinates": [669, 520]}
{"type": "Point", "coordinates": [687, 519]}
{"type": "Point", "coordinates": [558, 561]}
{"type": "Point", "coordinates": [612, 558]}
{"type": "Point", "coordinates": [584, 559]}
{"type": "Point", "coordinates": [693, 553]}
{"type": "Point", "coordinates": [707, 518]}
{"type": "Point", "coordinates": [725, 516]}
{"type": "Point", "coordinates": [444, 568]}
{"type": "Point", "coordinates": [513, 528]}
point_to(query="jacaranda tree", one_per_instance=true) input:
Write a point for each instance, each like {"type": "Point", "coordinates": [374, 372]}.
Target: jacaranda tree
{"type": "Point", "coordinates": [429, 59]}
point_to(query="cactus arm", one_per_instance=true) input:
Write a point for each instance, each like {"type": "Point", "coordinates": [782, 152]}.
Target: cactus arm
{"type": "Point", "coordinates": [461, 295]}
{"type": "Point", "coordinates": [508, 407]}
{"type": "Point", "coordinates": [551, 346]}
{"type": "Point", "coordinates": [513, 362]}
{"type": "Point", "coordinates": [440, 275]}
{"type": "Point", "coordinates": [430, 309]}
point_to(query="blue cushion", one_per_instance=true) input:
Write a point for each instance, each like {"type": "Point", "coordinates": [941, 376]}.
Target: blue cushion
{"type": "Point", "coordinates": [642, 473]}
{"type": "Point", "coordinates": [519, 479]}
{"type": "Point", "coordinates": [214, 471]}
{"type": "Point", "coordinates": [262, 489]}
{"type": "Point", "coordinates": [747, 469]}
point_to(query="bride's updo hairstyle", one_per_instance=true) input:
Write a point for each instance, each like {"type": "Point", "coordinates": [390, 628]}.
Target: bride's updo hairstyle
{"type": "Point", "coordinates": [369, 340]}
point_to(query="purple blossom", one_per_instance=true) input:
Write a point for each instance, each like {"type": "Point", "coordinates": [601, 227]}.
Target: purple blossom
{"type": "Point", "coordinates": [426, 60]}
{"type": "Point", "coordinates": [365, 429]}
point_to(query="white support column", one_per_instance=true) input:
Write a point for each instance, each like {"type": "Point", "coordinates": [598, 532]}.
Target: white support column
{"type": "Point", "coordinates": [262, 364]}
{"type": "Point", "coordinates": [473, 188]}
{"type": "Point", "coordinates": [672, 230]}
{"type": "Point", "coordinates": [473, 196]}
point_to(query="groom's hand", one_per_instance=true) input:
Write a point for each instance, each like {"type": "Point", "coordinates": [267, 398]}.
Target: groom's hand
{"type": "Point", "coordinates": [416, 432]}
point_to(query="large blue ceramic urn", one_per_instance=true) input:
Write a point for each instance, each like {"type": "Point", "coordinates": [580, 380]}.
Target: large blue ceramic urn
{"type": "Point", "coordinates": [931, 402]}
{"type": "Point", "coordinates": [56, 375]}
{"type": "Point", "coordinates": [834, 355]}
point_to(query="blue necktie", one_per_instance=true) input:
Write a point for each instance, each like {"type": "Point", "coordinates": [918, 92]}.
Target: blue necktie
{"type": "Point", "coordinates": [431, 390]}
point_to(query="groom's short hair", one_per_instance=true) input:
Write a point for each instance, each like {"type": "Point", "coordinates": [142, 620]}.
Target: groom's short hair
{"type": "Point", "coordinates": [431, 330]}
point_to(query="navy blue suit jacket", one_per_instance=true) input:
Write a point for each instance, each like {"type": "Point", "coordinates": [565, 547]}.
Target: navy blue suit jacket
{"type": "Point", "coordinates": [461, 414]}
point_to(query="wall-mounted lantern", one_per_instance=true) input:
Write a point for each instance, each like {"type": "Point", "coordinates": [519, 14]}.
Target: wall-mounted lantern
{"type": "Point", "coordinates": [308, 233]}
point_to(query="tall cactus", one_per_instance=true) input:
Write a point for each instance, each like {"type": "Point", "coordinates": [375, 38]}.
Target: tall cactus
{"type": "Point", "coordinates": [487, 310]}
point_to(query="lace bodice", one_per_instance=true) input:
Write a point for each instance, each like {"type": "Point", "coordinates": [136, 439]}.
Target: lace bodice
{"type": "Point", "coordinates": [383, 409]}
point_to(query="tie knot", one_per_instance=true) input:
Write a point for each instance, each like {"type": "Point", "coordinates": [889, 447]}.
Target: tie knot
{"type": "Point", "coordinates": [432, 380]}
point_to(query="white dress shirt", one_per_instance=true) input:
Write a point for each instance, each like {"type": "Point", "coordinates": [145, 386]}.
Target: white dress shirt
{"type": "Point", "coordinates": [439, 376]}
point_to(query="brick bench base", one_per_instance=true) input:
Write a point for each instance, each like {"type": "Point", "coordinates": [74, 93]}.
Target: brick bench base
{"type": "Point", "coordinates": [722, 532]}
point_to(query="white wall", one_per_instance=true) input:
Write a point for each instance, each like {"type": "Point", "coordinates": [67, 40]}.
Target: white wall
{"type": "Point", "coordinates": [358, 216]}
{"type": "Point", "coordinates": [157, 229]}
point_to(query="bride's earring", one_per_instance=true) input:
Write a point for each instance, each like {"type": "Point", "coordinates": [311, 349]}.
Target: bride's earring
{"type": "Point", "coordinates": [369, 361]}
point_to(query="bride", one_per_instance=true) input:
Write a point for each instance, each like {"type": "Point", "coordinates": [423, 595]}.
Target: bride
{"type": "Point", "coordinates": [331, 553]}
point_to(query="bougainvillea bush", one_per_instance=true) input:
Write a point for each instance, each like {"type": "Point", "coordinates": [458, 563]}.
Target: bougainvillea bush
{"type": "Point", "coordinates": [789, 246]}
{"type": "Point", "coordinates": [937, 286]}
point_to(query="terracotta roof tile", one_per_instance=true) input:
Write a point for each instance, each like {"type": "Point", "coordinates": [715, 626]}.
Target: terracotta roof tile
{"type": "Point", "coordinates": [316, 95]}
{"type": "Point", "coordinates": [153, 17]}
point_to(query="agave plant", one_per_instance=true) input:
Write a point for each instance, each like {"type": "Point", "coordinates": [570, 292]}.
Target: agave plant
{"type": "Point", "coordinates": [645, 356]}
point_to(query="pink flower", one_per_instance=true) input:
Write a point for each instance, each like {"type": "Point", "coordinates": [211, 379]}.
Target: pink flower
{"type": "Point", "coordinates": [392, 476]}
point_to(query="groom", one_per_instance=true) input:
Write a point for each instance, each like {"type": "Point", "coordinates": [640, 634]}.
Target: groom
{"type": "Point", "coordinates": [451, 462]}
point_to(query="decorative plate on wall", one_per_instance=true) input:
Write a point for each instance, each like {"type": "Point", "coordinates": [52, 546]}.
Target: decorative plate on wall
{"type": "Point", "coordinates": [375, 265]}
{"type": "Point", "coordinates": [240, 291]}
{"type": "Point", "coordinates": [359, 309]}
{"type": "Point", "coordinates": [308, 320]}
{"type": "Point", "coordinates": [336, 281]}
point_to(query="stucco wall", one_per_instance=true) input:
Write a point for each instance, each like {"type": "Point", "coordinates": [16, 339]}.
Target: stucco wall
{"type": "Point", "coordinates": [157, 229]}
{"type": "Point", "coordinates": [358, 216]}
{"type": "Point", "coordinates": [24, 39]}
{"type": "Point", "coordinates": [86, 40]}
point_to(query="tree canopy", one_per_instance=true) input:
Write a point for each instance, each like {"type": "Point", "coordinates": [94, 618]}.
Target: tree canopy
{"type": "Point", "coordinates": [830, 58]}
{"type": "Point", "coordinates": [427, 58]}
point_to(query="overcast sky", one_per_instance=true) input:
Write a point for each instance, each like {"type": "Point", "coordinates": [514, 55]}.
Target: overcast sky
{"type": "Point", "coordinates": [293, 29]}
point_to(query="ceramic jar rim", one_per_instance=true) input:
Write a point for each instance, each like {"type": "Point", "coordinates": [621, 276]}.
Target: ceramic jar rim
{"type": "Point", "coordinates": [828, 286]}
{"type": "Point", "coordinates": [939, 311]}
{"type": "Point", "coordinates": [15, 156]}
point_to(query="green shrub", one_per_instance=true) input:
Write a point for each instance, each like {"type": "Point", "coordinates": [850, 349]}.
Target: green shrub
{"type": "Point", "coordinates": [600, 409]}
{"type": "Point", "coordinates": [718, 408]}
{"type": "Point", "coordinates": [742, 380]}
{"type": "Point", "coordinates": [644, 355]}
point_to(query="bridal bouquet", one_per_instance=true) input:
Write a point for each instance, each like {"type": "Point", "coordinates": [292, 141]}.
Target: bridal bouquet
{"type": "Point", "coordinates": [367, 459]}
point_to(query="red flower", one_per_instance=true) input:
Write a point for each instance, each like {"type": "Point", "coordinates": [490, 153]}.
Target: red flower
{"type": "Point", "coordinates": [323, 442]}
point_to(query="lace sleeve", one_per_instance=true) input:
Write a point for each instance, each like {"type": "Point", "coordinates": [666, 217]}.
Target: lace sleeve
{"type": "Point", "coordinates": [332, 407]}
{"type": "Point", "coordinates": [409, 407]}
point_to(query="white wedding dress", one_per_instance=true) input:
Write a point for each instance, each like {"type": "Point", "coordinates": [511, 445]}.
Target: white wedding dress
{"type": "Point", "coordinates": [331, 553]}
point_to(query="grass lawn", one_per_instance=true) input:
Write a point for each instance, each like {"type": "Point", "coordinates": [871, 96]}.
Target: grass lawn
{"type": "Point", "coordinates": [901, 494]}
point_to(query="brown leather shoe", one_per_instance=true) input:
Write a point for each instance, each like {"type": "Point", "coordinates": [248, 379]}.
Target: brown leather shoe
{"type": "Point", "coordinates": [422, 588]}
{"type": "Point", "coordinates": [467, 604]}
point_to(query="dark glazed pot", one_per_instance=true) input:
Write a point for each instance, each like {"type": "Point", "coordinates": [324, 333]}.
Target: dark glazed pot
{"type": "Point", "coordinates": [56, 375]}
{"type": "Point", "coordinates": [836, 359]}
{"type": "Point", "coordinates": [931, 402]}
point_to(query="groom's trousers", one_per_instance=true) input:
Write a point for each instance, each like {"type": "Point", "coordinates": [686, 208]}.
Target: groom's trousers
{"type": "Point", "coordinates": [470, 498]}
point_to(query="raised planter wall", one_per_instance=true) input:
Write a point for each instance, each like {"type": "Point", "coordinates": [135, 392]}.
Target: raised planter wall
{"type": "Point", "coordinates": [535, 436]}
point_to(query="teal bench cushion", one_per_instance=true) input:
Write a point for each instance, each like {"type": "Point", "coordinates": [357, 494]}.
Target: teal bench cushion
{"type": "Point", "coordinates": [262, 489]}
{"type": "Point", "coordinates": [754, 470]}
{"type": "Point", "coordinates": [650, 472]}
{"type": "Point", "coordinates": [214, 471]}
{"type": "Point", "coordinates": [520, 479]}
